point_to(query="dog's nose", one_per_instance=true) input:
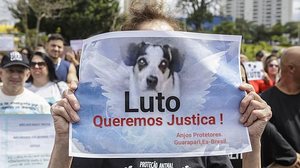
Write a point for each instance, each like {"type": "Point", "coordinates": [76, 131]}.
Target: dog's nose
{"type": "Point", "coordinates": [152, 82]}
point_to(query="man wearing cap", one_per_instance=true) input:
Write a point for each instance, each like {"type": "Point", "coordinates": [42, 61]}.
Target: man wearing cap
{"type": "Point", "coordinates": [14, 98]}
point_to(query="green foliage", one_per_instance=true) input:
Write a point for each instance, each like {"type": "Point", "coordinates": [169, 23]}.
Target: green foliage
{"type": "Point", "coordinates": [74, 19]}
{"type": "Point", "coordinates": [292, 28]}
{"type": "Point", "coordinates": [31, 12]}
{"type": "Point", "coordinates": [277, 29]}
{"type": "Point", "coordinates": [245, 28]}
{"type": "Point", "coordinates": [251, 49]}
{"type": "Point", "coordinates": [225, 28]}
{"type": "Point", "coordinates": [79, 19]}
{"type": "Point", "coordinates": [85, 18]}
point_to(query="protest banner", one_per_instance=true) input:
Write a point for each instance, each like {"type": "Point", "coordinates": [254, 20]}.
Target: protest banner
{"type": "Point", "coordinates": [159, 94]}
{"type": "Point", "coordinates": [7, 42]}
{"type": "Point", "coordinates": [76, 44]}
{"type": "Point", "coordinates": [255, 70]}
{"type": "Point", "coordinates": [26, 141]}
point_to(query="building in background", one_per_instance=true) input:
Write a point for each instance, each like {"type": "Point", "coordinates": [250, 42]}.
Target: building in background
{"type": "Point", "coordinates": [266, 12]}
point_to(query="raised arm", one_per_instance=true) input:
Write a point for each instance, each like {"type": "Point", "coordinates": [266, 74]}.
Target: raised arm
{"type": "Point", "coordinates": [255, 115]}
{"type": "Point", "coordinates": [72, 74]}
{"type": "Point", "coordinates": [63, 112]}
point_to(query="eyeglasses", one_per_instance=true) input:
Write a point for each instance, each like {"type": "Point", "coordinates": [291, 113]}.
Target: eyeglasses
{"type": "Point", "coordinates": [40, 64]}
{"type": "Point", "coordinates": [273, 65]}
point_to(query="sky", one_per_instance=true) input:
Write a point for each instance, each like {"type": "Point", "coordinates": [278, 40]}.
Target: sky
{"type": "Point", "coordinates": [296, 10]}
{"type": "Point", "coordinates": [5, 13]}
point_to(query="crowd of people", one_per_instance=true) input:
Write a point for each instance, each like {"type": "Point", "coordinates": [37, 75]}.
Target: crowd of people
{"type": "Point", "coordinates": [47, 70]}
{"type": "Point", "coordinates": [280, 88]}
{"type": "Point", "coordinates": [34, 80]}
{"type": "Point", "coordinates": [270, 71]}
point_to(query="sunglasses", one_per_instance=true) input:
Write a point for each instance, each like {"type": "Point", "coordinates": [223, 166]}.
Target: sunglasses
{"type": "Point", "coordinates": [273, 65]}
{"type": "Point", "coordinates": [40, 64]}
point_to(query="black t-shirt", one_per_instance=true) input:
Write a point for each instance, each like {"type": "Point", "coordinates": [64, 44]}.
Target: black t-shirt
{"type": "Point", "coordinates": [286, 119]}
{"type": "Point", "coordinates": [275, 148]}
{"type": "Point", "coordinates": [186, 162]}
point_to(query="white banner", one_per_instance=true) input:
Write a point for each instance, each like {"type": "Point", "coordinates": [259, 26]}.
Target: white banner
{"type": "Point", "coordinates": [159, 94]}
{"type": "Point", "coordinates": [26, 141]}
{"type": "Point", "coordinates": [7, 43]}
{"type": "Point", "coordinates": [76, 44]}
{"type": "Point", "coordinates": [254, 70]}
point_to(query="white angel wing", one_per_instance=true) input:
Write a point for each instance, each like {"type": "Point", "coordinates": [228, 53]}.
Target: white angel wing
{"type": "Point", "coordinates": [113, 78]}
{"type": "Point", "coordinates": [196, 80]}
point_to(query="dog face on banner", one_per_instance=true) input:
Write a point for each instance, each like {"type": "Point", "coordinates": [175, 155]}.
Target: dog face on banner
{"type": "Point", "coordinates": [155, 68]}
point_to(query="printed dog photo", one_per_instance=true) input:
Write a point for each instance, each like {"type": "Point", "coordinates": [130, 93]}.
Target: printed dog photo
{"type": "Point", "coordinates": [155, 69]}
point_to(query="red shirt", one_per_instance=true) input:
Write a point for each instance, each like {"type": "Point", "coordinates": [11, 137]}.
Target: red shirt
{"type": "Point", "coordinates": [261, 85]}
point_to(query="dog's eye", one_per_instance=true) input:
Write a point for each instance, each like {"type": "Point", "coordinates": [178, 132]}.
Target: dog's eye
{"type": "Point", "coordinates": [142, 63]}
{"type": "Point", "coordinates": [163, 65]}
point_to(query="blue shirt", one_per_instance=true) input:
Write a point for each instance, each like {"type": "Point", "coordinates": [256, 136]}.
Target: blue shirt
{"type": "Point", "coordinates": [62, 70]}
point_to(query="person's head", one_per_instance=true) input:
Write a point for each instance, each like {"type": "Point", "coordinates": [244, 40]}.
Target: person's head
{"type": "Point", "coordinates": [70, 54]}
{"type": "Point", "coordinates": [243, 73]}
{"type": "Point", "coordinates": [14, 72]}
{"type": "Point", "coordinates": [259, 55]}
{"type": "Point", "coordinates": [55, 46]}
{"type": "Point", "coordinates": [40, 48]}
{"type": "Point", "coordinates": [26, 51]}
{"type": "Point", "coordinates": [290, 64]}
{"type": "Point", "coordinates": [275, 51]}
{"type": "Point", "coordinates": [271, 65]}
{"type": "Point", "coordinates": [149, 16]}
{"type": "Point", "coordinates": [41, 67]}
{"type": "Point", "coordinates": [243, 58]}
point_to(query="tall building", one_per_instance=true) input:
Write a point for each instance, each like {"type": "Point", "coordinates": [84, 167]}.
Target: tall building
{"type": "Point", "coordinates": [266, 12]}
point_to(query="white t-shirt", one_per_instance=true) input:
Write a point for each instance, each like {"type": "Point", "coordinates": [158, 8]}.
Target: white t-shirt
{"type": "Point", "coordinates": [25, 103]}
{"type": "Point", "coordinates": [51, 91]}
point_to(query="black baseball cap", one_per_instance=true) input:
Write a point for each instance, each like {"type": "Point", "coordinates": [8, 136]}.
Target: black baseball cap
{"type": "Point", "coordinates": [14, 58]}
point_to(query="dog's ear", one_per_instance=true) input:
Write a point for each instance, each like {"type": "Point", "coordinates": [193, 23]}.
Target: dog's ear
{"type": "Point", "coordinates": [176, 59]}
{"type": "Point", "coordinates": [133, 52]}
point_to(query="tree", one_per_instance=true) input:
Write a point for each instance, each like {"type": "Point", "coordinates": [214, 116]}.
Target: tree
{"type": "Point", "coordinates": [277, 29]}
{"type": "Point", "coordinates": [85, 18]}
{"type": "Point", "coordinates": [197, 11]}
{"type": "Point", "coordinates": [276, 33]}
{"type": "Point", "coordinates": [226, 27]}
{"type": "Point", "coordinates": [245, 28]}
{"type": "Point", "coordinates": [33, 11]}
{"type": "Point", "coordinates": [46, 9]}
{"type": "Point", "coordinates": [261, 33]}
{"type": "Point", "coordinates": [292, 28]}
{"type": "Point", "coordinates": [74, 19]}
